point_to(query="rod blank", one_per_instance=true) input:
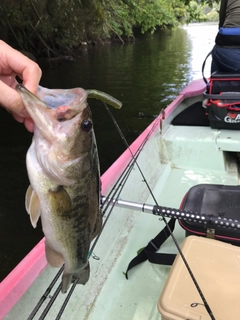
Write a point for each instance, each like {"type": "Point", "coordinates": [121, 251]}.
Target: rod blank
{"type": "Point", "coordinates": [212, 220]}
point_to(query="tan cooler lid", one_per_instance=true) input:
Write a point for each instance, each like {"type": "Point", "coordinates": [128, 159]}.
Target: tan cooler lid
{"type": "Point", "coordinates": [216, 267]}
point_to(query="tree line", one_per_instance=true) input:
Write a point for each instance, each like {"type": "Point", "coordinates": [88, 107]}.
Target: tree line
{"type": "Point", "coordinates": [50, 28]}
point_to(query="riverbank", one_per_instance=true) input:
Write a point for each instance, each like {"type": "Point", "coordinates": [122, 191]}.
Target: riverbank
{"type": "Point", "coordinates": [54, 29]}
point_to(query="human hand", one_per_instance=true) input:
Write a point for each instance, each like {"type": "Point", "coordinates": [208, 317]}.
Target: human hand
{"type": "Point", "coordinates": [13, 63]}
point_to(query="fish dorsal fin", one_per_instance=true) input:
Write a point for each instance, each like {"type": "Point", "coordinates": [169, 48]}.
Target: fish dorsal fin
{"type": "Point", "coordinates": [54, 258]}
{"type": "Point", "coordinates": [32, 205]}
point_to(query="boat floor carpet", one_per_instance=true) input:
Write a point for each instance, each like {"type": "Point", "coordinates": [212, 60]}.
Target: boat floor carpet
{"type": "Point", "coordinates": [192, 116]}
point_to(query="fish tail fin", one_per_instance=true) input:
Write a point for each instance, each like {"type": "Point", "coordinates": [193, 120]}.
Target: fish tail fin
{"type": "Point", "coordinates": [79, 278]}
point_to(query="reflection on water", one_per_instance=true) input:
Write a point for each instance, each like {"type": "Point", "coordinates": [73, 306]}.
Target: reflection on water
{"type": "Point", "coordinates": [202, 39]}
{"type": "Point", "coordinates": [145, 76]}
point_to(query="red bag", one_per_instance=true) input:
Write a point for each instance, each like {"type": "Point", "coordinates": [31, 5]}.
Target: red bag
{"type": "Point", "coordinates": [222, 99]}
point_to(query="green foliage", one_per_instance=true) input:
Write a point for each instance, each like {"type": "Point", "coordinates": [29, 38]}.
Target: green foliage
{"type": "Point", "coordinates": [212, 15]}
{"type": "Point", "coordinates": [122, 17]}
{"type": "Point", "coordinates": [151, 14]}
{"type": "Point", "coordinates": [210, 3]}
{"type": "Point", "coordinates": [195, 12]}
{"type": "Point", "coordinates": [50, 27]}
{"type": "Point", "coordinates": [204, 12]}
{"type": "Point", "coordinates": [180, 11]}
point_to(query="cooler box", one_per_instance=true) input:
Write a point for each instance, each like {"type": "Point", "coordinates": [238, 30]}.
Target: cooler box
{"type": "Point", "coordinates": [216, 267]}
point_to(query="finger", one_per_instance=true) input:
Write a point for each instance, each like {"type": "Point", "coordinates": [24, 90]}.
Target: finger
{"type": "Point", "coordinates": [28, 70]}
{"type": "Point", "coordinates": [10, 79]}
{"type": "Point", "coordinates": [31, 76]}
{"type": "Point", "coordinates": [29, 124]}
{"type": "Point", "coordinates": [17, 117]}
{"type": "Point", "coordinates": [10, 99]}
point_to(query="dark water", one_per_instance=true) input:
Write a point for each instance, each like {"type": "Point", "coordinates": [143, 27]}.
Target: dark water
{"type": "Point", "coordinates": [145, 76]}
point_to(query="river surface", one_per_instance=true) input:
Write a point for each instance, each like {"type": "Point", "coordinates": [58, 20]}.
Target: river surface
{"type": "Point", "coordinates": [145, 75]}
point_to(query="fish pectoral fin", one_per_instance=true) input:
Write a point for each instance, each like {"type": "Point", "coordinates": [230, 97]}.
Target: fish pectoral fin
{"type": "Point", "coordinates": [54, 258]}
{"type": "Point", "coordinates": [32, 205]}
{"type": "Point", "coordinates": [79, 278]}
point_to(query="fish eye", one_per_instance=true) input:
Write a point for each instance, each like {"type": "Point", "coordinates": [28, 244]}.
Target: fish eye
{"type": "Point", "coordinates": [86, 125]}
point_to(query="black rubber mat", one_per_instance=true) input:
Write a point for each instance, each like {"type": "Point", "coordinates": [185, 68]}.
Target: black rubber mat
{"type": "Point", "coordinates": [192, 116]}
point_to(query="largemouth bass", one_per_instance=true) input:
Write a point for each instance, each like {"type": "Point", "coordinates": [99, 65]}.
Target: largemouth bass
{"type": "Point", "coordinates": [63, 169]}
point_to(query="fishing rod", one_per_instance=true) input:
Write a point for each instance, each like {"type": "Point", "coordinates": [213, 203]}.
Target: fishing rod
{"type": "Point", "coordinates": [207, 219]}
{"type": "Point", "coordinates": [207, 307]}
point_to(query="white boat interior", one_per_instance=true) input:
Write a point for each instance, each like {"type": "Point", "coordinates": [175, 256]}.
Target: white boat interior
{"type": "Point", "coordinates": [172, 158]}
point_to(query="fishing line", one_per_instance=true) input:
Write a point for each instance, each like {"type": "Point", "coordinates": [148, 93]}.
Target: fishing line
{"type": "Point", "coordinates": [126, 172]}
{"type": "Point", "coordinates": [118, 185]}
{"type": "Point", "coordinates": [163, 218]}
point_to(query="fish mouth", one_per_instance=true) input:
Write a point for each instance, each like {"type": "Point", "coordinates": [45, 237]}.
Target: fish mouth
{"type": "Point", "coordinates": [51, 106]}
{"type": "Point", "coordinates": [54, 98]}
